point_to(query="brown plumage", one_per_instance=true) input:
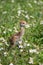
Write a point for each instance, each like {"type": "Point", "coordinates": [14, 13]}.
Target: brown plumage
{"type": "Point", "coordinates": [16, 37]}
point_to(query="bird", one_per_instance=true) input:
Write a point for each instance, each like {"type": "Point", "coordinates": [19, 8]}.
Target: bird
{"type": "Point", "coordinates": [19, 35]}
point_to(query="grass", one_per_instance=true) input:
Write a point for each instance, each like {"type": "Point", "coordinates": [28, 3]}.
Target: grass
{"type": "Point", "coordinates": [11, 12]}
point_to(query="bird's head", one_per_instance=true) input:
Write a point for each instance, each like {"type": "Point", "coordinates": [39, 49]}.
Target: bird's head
{"type": "Point", "coordinates": [23, 23]}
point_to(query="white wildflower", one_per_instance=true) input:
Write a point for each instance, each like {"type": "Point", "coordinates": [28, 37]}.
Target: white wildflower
{"type": "Point", "coordinates": [6, 44]}
{"type": "Point", "coordinates": [4, 12]}
{"type": "Point", "coordinates": [15, 29]}
{"type": "Point", "coordinates": [27, 16]}
{"type": "Point", "coordinates": [27, 26]}
{"type": "Point", "coordinates": [41, 22]}
{"type": "Point", "coordinates": [11, 64]}
{"type": "Point", "coordinates": [41, 12]}
{"type": "Point", "coordinates": [19, 12]}
{"type": "Point", "coordinates": [3, 1]}
{"type": "Point", "coordinates": [30, 5]}
{"type": "Point", "coordinates": [21, 50]}
{"type": "Point", "coordinates": [12, 1]}
{"type": "Point", "coordinates": [35, 1]}
{"type": "Point", "coordinates": [2, 27]}
{"type": "Point", "coordinates": [30, 61]}
{"type": "Point", "coordinates": [2, 39]}
{"type": "Point", "coordinates": [0, 64]}
{"type": "Point", "coordinates": [9, 29]}
{"type": "Point", "coordinates": [41, 2]}
{"type": "Point", "coordinates": [11, 17]}
{"type": "Point", "coordinates": [32, 16]}
{"type": "Point", "coordinates": [1, 49]}
{"type": "Point", "coordinates": [20, 42]}
{"type": "Point", "coordinates": [5, 53]}
{"type": "Point", "coordinates": [4, 31]}
{"type": "Point", "coordinates": [23, 14]}
{"type": "Point", "coordinates": [28, 44]}
{"type": "Point", "coordinates": [20, 46]}
{"type": "Point", "coordinates": [33, 51]}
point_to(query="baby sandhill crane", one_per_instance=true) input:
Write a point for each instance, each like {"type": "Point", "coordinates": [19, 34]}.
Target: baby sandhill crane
{"type": "Point", "coordinates": [18, 36]}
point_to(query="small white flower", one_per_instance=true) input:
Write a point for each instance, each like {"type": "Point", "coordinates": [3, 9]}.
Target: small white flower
{"type": "Point", "coordinates": [30, 61]}
{"type": "Point", "coordinates": [41, 22]}
{"type": "Point", "coordinates": [30, 5]}
{"type": "Point", "coordinates": [27, 16]}
{"type": "Point", "coordinates": [21, 50]}
{"type": "Point", "coordinates": [1, 49]}
{"type": "Point", "coordinates": [5, 53]}
{"type": "Point", "coordinates": [33, 51]}
{"type": "Point", "coordinates": [32, 16]}
{"type": "Point", "coordinates": [2, 27]}
{"type": "Point", "coordinates": [4, 12]}
{"type": "Point", "coordinates": [25, 44]}
{"type": "Point", "coordinates": [40, 2]}
{"type": "Point", "coordinates": [14, 28]}
{"type": "Point", "coordinates": [19, 12]}
{"type": "Point", "coordinates": [25, 12]}
{"type": "Point", "coordinates": [27, 26]}
{"type": "Point", "coordinates": [20, 42]}
{"type": "Point", "coordinates": [6, 43]}
{"type": "Point", "coordinates": [20, 46]}
{"type": "Point", "coordinates": [28, 44]}
{"type": "Point", "coordinates": [1, 44]}
{"type": "Point", "coordinates": [1, 38]}
{"type": "Point", "coordinates": [11, 64]}
{"type": "Point", "coordinates": [0, 64]}
{"type": "Point", "coordinates": [9, 29]}
{"type": "Point", "coordinates": [35, 1]}
{"type": "Point", "coordinates": [12, 1]}
{"type": "Point", "coordinates": [40, 63]}
{"type": "Point", "coordinates": [12, 17]}
{"type": "Point", "coordinates": [0, 60]}
{"type": "Point", "coordinates": [4, 31]}
{"type": "Point", "coordinates": [26, 41]}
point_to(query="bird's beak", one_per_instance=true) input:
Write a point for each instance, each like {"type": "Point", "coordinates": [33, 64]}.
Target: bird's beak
{"type": "Point", "coordinates": [27, 25]}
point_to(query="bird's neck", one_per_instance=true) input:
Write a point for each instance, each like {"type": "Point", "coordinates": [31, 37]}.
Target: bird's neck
{"type": "Point", "coordinates": [22, 31]}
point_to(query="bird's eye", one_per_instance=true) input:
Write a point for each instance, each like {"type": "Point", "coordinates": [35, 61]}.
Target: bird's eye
{"type": "Point", "coordinates": [23, 23]}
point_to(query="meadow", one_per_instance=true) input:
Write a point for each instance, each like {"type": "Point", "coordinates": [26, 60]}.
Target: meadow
{"type": "Point", "coordinates": [31, 51]}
